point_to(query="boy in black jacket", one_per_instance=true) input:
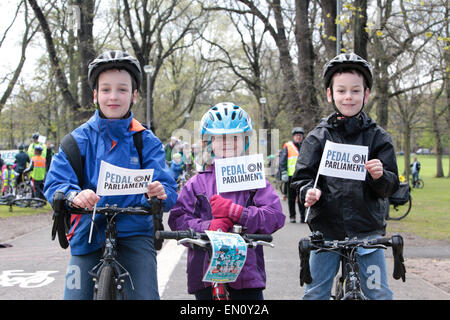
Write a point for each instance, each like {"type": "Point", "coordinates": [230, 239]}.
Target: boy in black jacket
{"type": "Point", "coordinates": [339, 207]}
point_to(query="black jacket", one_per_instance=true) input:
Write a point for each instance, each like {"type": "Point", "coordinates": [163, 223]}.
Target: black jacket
{"type": "Point", "coordinates": [348, 208]}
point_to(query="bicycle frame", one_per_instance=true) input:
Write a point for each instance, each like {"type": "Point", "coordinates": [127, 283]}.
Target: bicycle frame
{"type": "Point", "coordinates": [348, 286]}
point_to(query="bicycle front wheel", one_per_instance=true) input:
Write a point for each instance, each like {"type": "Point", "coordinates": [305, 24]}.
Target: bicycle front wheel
{"type": "Point", "coordinates": [29, 202]}
{"type": "Point", "coordinates": [105, 288]}
{"type": "Point", "coordinates": [420, 184]}
{"type": "Point", "coordinates": [399, 212]}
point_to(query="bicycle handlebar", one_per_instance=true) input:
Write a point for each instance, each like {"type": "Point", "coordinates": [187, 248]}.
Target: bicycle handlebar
{"type": "Point", "coordinates": [191, 234]}
{"type": "Point", "coordinates": [316, 241]}
{"type": "Point", "coordinates": [61, 216]}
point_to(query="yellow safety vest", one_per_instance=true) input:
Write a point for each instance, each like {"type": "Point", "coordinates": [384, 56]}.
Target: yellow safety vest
{"type": "Point", "coordinates": [291, 157]}
{"type": "Point", "coordinates": [38, 168]}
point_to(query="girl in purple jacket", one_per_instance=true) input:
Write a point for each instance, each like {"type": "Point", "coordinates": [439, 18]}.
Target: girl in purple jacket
{"type": "Point", "coordinates": [225, 130]}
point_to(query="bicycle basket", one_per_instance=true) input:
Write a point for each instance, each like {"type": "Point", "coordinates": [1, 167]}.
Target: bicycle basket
{"type": "Point", "coordinates": [401, 196]}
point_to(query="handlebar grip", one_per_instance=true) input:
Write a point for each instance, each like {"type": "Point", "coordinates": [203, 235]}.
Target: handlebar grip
{"type": "Point", "coordinates": [384, 241]}
{"type": "Point", "coordinates": [175, 235]}
{"type": "Point", "coordinates": [260, 237]}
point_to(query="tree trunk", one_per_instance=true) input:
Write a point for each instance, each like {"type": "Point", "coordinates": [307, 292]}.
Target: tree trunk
{"type": "Point", "coordinates": [60, 76]}
{"type": "Point", "coordinates": [329, 7]}
{"type": "Point", "coordinates": [310, 113]}
{"type": "Point", "coordinates": [87, 54]}
{"type": "Point", "coordinates": [360, 35]}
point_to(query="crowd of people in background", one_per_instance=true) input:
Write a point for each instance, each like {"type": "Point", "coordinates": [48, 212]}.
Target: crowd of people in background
{"type": "Point", "coordinates": [35, 162]}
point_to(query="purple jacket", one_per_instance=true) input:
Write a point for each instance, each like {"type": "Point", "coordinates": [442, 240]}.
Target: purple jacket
{"type": "Point", "coordinates": [193, 210]}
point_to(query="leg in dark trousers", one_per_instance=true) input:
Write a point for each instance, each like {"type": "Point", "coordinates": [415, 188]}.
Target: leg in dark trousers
{"type": "Point", "coordinates": [292, 194]}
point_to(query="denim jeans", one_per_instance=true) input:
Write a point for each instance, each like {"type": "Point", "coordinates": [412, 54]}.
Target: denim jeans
{"type": "Point", "coordinates": [325, 265]}
{"type": "Point", "coordinates": [136, 254]}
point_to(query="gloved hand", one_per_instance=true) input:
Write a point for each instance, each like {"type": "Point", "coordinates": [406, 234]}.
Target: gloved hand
{"type": "Point", "coordinates": [223, 224]}
{"type": "Point", "coordinates": [225, 208]}
{"type": "Point", "coordinates": [284, 176]}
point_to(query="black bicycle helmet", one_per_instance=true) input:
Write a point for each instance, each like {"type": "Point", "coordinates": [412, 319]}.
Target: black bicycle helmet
{"type": "Point", "coordinates": [349, 60]}
{"type": "Point", "coordinates": [114, 59]}
{"type": "Point", "coordinates": [297, 130]}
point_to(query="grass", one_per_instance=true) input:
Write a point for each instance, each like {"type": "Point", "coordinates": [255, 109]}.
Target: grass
{"type": "Point", "coordinates": [17, 211]}
{"type": "Point", "coordinates": [430, 213]}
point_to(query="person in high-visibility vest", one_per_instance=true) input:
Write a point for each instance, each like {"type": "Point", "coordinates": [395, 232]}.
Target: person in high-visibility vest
{"type": "Point", "coordinates": [288, 159]}
{"type": "Point", "coordinates": [9, 180]}
{"type": "Point", "coordinates": [32, 146]}
{"type": "Point", "coordinates": [37, 174]}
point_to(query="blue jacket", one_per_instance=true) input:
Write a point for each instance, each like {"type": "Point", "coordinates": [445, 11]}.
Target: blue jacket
{"type": "Point", "coordinates": [176, 169]}
{"type": "Point", "coordinates": [110, 140]}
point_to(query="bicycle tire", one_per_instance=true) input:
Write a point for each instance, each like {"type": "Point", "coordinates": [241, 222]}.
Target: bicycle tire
{"type": "Point", "coordinates": [105, 287]}
{"type": "Point", "coordinates": [24, 190]}
{"type": "Point", "coordinates": [338, 289]}
{"type": "Point", "coordinates": [399, 214]}
{"type": "Point", "coordinates": [420, 184]}
{"type": "Point", "coordinates": [29, 202]}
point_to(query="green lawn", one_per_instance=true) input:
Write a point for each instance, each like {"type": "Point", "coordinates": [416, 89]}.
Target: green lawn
{"type": "Point", "coordinates": [17, 211]}
{"type": "Point", "coordinates": [430, 213]}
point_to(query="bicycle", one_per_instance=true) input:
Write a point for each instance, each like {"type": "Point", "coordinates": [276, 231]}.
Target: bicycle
{"type": "Point", "coordinates": [199, 240]}
{"type": "Point", "coordinates": [12, 200]}
{"type": "Point", "coordinates": [418, 184]}
{"type": "Point", "coordinates": [108, 275]}
{"type": "Point", "coordinates": [400, 203]}
{"type": "Point", "coordinates": [25, 189]}
{"type": "Point", "coordinates": [348, 284]}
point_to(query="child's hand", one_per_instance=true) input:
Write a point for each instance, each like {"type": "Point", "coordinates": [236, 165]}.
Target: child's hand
{"type": "Point", "coordinates": [225, 208]}
{"type": "Point", "coordinates": [312, 196]}
{"type": "Point", "coordinates": [86, 199]}
{"type": "Point", "coordinates": [375, 168]}
{"type": "Point", "coordinates": [156, 189]}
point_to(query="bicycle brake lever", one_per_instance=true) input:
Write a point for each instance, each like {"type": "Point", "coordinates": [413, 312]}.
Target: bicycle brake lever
{"type": "Point", "coordinates": [198, 242]}
{"type": "Point", "coordinates": [261, 243]}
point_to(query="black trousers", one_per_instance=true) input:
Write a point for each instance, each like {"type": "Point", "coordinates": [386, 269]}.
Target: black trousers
{"type": "Point", "coordinates": [292, 195]}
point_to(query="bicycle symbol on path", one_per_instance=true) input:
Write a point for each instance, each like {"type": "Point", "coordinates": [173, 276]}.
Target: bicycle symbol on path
{"type": "Point", "coordinates": [10, 278]}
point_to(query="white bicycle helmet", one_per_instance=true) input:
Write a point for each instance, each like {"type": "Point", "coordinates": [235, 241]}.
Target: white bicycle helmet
{"type": "Point", "coordinates": [348, 60]}
{"type": "Point", "coordinates": [114, 59]}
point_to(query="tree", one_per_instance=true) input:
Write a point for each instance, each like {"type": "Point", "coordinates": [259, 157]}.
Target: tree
{"type": "Point", "coordinates": [155, 30]}
{"type": "Point", "coordinates": [28, 34]}
{"type": "Point", "coordinates": [61, 79]}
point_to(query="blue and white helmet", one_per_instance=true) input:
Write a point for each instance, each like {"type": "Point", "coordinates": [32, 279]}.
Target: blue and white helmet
{"type": "Point", "coordinates": [225, 118]}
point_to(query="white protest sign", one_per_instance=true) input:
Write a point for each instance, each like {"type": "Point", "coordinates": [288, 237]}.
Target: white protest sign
{"type": "Point", "coordinates": [344, 161]}
{"type": "Point", "coordinates": [114, 180]}
{"type": "Point", "coordinates": [240, 173]}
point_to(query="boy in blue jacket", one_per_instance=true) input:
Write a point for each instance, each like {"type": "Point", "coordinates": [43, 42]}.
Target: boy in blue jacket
{"type": "Point", "coordinates": [115, 77]}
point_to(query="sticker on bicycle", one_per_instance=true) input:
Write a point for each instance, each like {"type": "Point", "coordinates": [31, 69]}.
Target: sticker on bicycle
{"type": "Point", "coordinates": [240, 173]}
{"type": "Point", "coordinates": [344, 161]}
{"type": "Point", "coordinates": [229, 252]}
{"type": "Point", "coordinates": [114, 180]}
